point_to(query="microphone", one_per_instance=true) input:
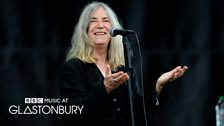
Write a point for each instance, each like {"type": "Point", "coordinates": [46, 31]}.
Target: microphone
{"type": "Point", "coordinates": [115, 31]}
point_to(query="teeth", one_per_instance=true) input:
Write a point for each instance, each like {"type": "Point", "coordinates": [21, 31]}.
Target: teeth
{"type": "Point", "coordinates": [99, 33]}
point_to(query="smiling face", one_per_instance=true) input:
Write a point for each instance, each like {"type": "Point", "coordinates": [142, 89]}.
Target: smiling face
{"type": "Point", "coordinates": [99, 26]}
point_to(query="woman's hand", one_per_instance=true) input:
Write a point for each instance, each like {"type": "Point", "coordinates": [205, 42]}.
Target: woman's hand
{"type": "Point", "coordinates": [168, 77]}
{"type": "Point", "coordinates": [113, 81]}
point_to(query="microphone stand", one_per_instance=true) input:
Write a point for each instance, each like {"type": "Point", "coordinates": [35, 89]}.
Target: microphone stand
{"type": "Point", "coordinates": [129, 68]}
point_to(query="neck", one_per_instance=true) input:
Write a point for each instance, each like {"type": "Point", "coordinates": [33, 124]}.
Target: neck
{"type": "Point", "coordinates": [100, 55]}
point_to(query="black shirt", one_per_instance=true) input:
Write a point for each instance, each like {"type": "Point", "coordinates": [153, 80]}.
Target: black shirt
{"type": "Point", "coordinates": [83, 84]}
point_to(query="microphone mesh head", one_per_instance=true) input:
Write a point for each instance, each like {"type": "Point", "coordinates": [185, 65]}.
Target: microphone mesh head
{"type": "Point", "coordinates": [111, 31]}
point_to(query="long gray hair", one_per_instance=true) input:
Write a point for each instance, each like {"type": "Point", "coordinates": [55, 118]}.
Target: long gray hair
{"type": "Point", "coordinates": [81, 47]}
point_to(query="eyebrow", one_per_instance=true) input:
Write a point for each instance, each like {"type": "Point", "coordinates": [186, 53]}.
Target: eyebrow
{"type": "Point", "coordinates": [102, 18]}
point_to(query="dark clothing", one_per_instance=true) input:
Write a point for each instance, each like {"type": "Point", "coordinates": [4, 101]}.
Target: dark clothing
{"type": "Point", "coordinates": [83, 84]}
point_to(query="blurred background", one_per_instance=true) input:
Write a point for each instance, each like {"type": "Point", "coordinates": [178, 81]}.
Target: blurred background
{"type": "Point", "coordinates": [35, 36]}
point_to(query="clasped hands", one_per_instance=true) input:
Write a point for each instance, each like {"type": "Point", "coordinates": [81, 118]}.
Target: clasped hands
{"type": "Point", "coordinates": [113, 81]}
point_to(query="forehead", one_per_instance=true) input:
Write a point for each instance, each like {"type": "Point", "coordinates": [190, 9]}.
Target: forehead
{"type": "Point", "coordinates": [99, 12]}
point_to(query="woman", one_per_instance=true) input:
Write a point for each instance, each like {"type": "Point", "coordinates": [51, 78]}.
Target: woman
{"type": "Point", "coordinates": [93, 73]}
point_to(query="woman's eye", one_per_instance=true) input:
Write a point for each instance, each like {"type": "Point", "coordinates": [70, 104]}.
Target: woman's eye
{"type": "Point", "coordinates": [106, 20]}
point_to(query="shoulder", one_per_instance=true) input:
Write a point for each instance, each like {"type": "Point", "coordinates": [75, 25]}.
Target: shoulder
{"type": "Point", "coordinates": [71, 64]}
{"type": "Point", "coordinates": [74, 61]}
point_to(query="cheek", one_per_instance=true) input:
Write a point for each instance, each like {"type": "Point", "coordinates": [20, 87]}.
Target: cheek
{"type": "Point", "coordinates": [90, 31]}
{"type": "Point", "coordinates": [108, 25]}
{"type": "Point", "coordinates": [90, 36]}
{"type": "Point", "coordinates": [90, 27]}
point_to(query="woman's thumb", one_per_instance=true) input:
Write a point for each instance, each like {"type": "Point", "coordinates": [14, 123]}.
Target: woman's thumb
{"type": "Point", "coordinates": [108, 71]}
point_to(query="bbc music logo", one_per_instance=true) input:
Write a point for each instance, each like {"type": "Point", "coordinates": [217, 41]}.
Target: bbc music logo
{"type": "Point", "coordinates": [46, 106]}
{"type": "Point", "coordinates": [34, 100]}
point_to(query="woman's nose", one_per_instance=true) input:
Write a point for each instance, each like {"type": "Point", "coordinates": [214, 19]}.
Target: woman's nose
{"type": "Point", "coordinates": [100, 24]}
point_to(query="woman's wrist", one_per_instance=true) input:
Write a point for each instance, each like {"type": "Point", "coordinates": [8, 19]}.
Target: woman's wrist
{"type": "Point", "coordinates": [158, 88]}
